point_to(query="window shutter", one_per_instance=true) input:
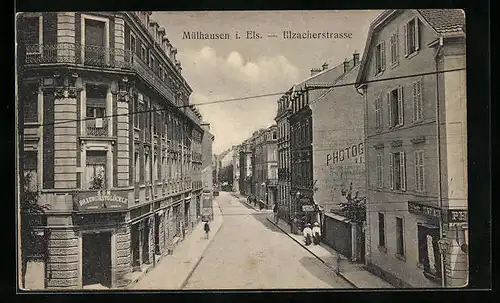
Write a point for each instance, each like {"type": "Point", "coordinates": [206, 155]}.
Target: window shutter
{"type": "Point", "coordinates": [406, 39]}
{"type": "Point", "coordinates": [400, 105]}
{"type": "Point", "coordinates": [389, 109]}
{"type": "Point", "coordinates": [402, 170]}
{"type": "Point", "coordinates": [397, 46]}
{"type": "Point", "coordinates": [422, 165]}
{"type": "Point", "coordinates": [382, 55]}
{"type": "Point", "coordinates": [415, 101]}
{"type": "Point", "coordinates": [417, 34]}
{"type": "Point", "coordinates": [417, 170]}
{"type": "Point", "coordinates": [419, 98]}
{"type": "Point", "coordinates": [391, 170]}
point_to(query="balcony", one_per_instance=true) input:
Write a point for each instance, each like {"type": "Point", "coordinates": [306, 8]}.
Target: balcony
{"type": "Point", "coordinates": [73, 53]}
{"type": "Point", "coordinates": [97, 127]}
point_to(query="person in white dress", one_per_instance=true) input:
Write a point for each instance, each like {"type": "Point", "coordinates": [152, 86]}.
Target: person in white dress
{"type": "Point", "coordinates": [316, 233]}
{"type": "Point", "coordinates": [307, 234]}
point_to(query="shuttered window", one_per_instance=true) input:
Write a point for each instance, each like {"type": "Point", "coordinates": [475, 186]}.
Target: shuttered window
{"type": "Point", "coordinates": [417, 100]}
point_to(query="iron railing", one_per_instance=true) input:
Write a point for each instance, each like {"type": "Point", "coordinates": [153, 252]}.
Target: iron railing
{"type": "Point", "coordinates": [74, 53]}
{"type": "Point", "coordinates": [95, 130]}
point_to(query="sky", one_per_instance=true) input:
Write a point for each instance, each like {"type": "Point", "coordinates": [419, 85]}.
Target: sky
{"type": "Point", "coordinates": [220, 69]}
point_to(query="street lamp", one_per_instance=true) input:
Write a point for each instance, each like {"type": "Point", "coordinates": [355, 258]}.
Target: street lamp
{"type": "Point", "coordinates": [444, 247]}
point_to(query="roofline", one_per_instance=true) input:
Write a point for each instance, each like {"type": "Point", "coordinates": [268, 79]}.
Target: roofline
{"type": "Point", "coordinates": [383, 17]}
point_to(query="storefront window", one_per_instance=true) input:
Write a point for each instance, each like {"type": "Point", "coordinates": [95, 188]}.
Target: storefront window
{"type": "Point", "coordinates": [428, 250]}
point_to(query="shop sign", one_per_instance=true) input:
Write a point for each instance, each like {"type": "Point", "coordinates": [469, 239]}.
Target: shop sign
{"type": "Point", "coordinates": [457, 215]}
{"type": "Point", "coordinates": [420, 209]}
{"type": "Point", "coordinates": [101, 200]}
{"type": "Point", "coordinates": [307, 207]}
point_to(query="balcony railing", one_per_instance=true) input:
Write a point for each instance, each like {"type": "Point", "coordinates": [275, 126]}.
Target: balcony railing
{"type": "Point", "coordinates": [97, 127]}
{"type": "Point", "coordinates": [74, 53]}
{"type": "Point", "coordinates": [145, 72]}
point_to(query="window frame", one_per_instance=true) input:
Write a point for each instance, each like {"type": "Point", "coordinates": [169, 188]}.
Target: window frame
{"type": "Point", "coordinates": [40, 34]}
{"type": "Point", "coordinates": [378, 114]}
{"type": "Point", "coordinates": [417, 98]}
{"type": "Point", "coordinates": [416, 37]}
{"type": "Point", "coordinates": [420, 171]}
{"type": "Point", "coordinates": [394, 46]}
{"type": "Point", "coordinates": [380, 62]}
{"type": "Point", "coordinates": [400, 237]}
{"type": "Point", "coordinates": [395, 106]}
{"type": "Point", "coordinates": [400, 169]}
{"type": "Point", "coordinates": [382, 240]}
{"type": "Point", "coordinates": [85, 17]}
{"type": "Point", "coordinates": [380, 169]}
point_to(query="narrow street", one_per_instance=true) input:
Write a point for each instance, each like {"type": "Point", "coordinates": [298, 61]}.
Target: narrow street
{"type": "Point", "coordinates": [249, 252]}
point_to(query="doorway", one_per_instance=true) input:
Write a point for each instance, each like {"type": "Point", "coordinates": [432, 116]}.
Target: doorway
{"type": "Point", "coordinates": [157, 234]}
{"type": "Point", "coordinates": [96, 258]}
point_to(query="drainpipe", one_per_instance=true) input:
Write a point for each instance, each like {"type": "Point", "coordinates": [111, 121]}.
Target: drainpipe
{"type": "Point", "coordinates": [438, 141]}
{"type": "Point", "coordinates": [365, 127]}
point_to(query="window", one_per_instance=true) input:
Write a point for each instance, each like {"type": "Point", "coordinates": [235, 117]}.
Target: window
{"type": "Point", "coordinates": [378, 114]}
{"type": "Point", "coordinates": [380, 175]}
{"type": "Point", "coordinates": [96, 169]}
{"type": "Point", "coordinates": [30, 103]}
{"type": "Point", "coordinates": [395, 107]}
{"type": "Point", "coordinates": [143, 53]}
{"type": "Point", "coordinates": [381, 230]}
{"type": "Point", "coordinates": [30, 169]}
{"type": "Point", "coordinates": [32, 29]}
{"type": "Point", "coordinates": [397, 170]}
{"type": "Point", "coordinates": [417, 100]}
{"type": "Point", "coordinates": [155, 167]}
{"type": "Point", "coordinates": [400, 244]}
{"type": "Point", "coordinates": [274, 135]}
{"type": "Point", "coordinates": [133, 45]}
{"type": "Point", "coordinates": [419, 170]}
{"type": "Point", "coordinates": [152, 62]}
{"type": "Point", "coordinates": [380, 57]}
{"type": "Point", "coordinates": [95, 40]}
{"type": "Point", "coordinates": [137, 167]}
{"type": "Point", "coordinates": [412, 37]}
{"type": "Point", "coordinates": [147, 168]}
{"type": "Point", "coordinates": [394, 49]}
{"type": "Point", "coordinates": [136, 111]}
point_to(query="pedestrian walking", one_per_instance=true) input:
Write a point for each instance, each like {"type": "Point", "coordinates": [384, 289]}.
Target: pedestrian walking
{"type": "Point", "coordinates": [207, 229]}
{"type": "Point", "coordinates": [261, 205]}
{"type": "Point", "coordinates": [316, 231]}
{"type": "Point", "coordinates": [275, 210]}
{"type": "Point", "coordinates": [307, 234]}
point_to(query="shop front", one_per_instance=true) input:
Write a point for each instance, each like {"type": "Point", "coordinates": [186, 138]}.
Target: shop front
{"type": "Point", "coordinates": [99, 217]}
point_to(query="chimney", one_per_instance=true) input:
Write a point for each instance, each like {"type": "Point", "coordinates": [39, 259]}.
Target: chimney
{"type": "Point", "coordinates": [346, 65]}
{"type": "Point", "coordinates": [325, 66]}
{"type": "Point", "coordinates": [314, 71]}
{"type": "Point", "coordinates": [355, 57]}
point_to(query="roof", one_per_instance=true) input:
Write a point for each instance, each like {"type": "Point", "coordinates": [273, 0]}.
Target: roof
{"type": "Point", "coordinates": [442, 21]}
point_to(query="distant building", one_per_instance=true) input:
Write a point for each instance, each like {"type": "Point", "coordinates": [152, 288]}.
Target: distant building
{"type": "Point", "coordinates": [236, 168]}
{"type": "Point", "coordinates": [207, 157]}
{"type": "Point", "coordinates": [416, 151]}
{"type": "Point", "coordinates": [283, 147]}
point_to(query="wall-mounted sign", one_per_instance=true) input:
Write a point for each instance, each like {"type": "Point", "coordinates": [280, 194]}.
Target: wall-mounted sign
{"type": "Point", "coordinates": [307, 207]}
{"type": "Point", "coordinates": [424, 210]}
{"type": "Point", "coordinates": [341, 155]}
{"type": "Point", "coordinates": [101, 200]}
{"type": "Point", "coordinates": [457, 215]}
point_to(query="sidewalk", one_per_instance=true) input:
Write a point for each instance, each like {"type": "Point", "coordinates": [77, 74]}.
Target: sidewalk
{"type": "Point", "coordinates": [243, 199]}
{"type": "Point", "coordinates": [173, 271]}
{"type": "Point", "coordinates": [354, 273]}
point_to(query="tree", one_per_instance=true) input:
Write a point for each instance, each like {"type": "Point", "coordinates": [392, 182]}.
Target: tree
{"type": "Point", "coordinates": [97, 182]}
{"type": "Point", "coordinates": [31, 212]}
{"type": "Point", "coordinates": [355, 206]}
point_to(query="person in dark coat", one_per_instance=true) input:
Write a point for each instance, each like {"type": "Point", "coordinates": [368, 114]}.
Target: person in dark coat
{"type": "Point", "coordinates": [206, 228]}
{"type": "Point", "coordinates": [275, 211]}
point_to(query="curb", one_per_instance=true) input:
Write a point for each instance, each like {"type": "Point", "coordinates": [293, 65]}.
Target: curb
{"type": "Point", "coordinates": [183, 284]}
{"type": "Point", "coordinates": [244, 201]}
{"type": "Point", "coordinates": [317, 257]}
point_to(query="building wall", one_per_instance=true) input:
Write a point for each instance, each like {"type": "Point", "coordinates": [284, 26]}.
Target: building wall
{"type": "Point", "coordinates": [62, 148]}
{"type": "Point", "coordinates": [412, 136]}
{"type": "Point", "coordinates": [338, 143]}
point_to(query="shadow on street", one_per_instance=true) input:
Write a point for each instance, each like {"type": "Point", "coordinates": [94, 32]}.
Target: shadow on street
{"type": "Point", "coordinates": [262, 218]}
{"type": "Point", "coordinates": [315, 267]}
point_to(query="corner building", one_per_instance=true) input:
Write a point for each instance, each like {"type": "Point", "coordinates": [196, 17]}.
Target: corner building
{"type": "Point", "coordinates": [416, 151]}
{"type": "Point", "coordinates": [112, 144]}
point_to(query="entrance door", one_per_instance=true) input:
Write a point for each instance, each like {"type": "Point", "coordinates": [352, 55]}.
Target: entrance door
{"type": "Point", "coordinates": [96, 258]}
{"type": "Point", "coordinates": [145, 244]}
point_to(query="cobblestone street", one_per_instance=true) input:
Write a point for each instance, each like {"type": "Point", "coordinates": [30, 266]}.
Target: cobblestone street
{"type": "Point", "coordinates": [250, 252]}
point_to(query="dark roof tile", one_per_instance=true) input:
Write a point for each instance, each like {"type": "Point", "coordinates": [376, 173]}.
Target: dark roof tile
{"type": "Point", "coordinates": [444, 20]}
